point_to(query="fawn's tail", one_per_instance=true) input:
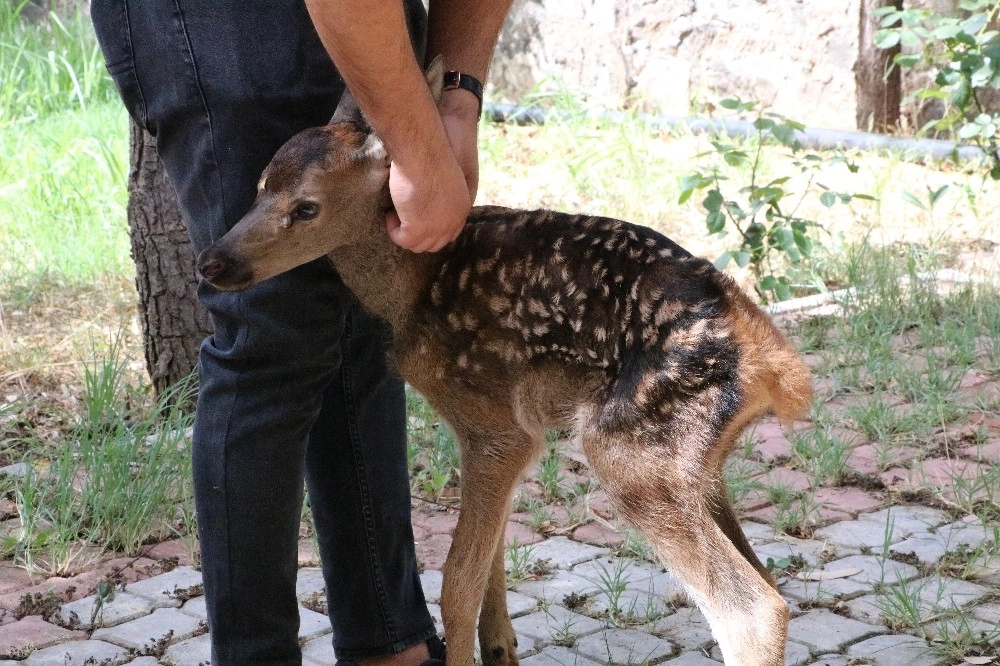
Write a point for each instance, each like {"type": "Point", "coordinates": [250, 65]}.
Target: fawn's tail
{"type": "Point", "coordinates": [774, 377]}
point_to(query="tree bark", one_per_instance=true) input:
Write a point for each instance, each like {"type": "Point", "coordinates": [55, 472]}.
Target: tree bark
{"type": "Point", "coordinates": [877, 82]}
{"type": "Point", "coordinates": [173, 322]}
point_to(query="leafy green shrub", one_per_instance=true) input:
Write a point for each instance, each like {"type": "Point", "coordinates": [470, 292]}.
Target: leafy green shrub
{"type": "Point", "coordinates": [773, 239]}
{"type": "Point", "coordinates": [963, 51]}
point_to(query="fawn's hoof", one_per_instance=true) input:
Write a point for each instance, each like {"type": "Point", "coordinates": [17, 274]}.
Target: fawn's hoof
{"type": "Point", "coordinates": [500, 653]}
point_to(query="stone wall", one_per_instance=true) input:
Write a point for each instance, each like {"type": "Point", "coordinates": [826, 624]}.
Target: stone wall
{"type": "Point", "coordinates": [795, 56]}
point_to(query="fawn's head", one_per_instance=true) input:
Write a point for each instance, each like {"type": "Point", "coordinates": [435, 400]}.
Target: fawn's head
{"type": "Point", "coordinates": [319, 191]}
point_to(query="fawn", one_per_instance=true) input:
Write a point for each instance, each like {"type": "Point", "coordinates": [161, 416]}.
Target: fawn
{"type": "Point", "coordinates": [533, 320]}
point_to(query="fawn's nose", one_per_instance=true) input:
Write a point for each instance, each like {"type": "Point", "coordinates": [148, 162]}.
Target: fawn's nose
{"type": "Point", "coordinates": [211, 268]}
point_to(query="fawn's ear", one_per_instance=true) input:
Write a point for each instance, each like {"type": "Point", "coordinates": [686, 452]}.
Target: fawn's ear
{"type": "Point", "coordinates": [348, 110]}
{"type": "Point", "coordinates": [435, 77]}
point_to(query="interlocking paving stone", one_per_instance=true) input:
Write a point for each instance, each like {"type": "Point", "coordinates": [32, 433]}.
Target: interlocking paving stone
{"type": "Point", "coordinates": [856, 534]}
{"type": "Point", "coordinates": [195, 608]}
{"type": "Point", "coordinates": [319, 651]}
{"type": "Point", "coordinates": [195, 651]}
{"type": "Point", "coordinates": [123, 608]}
{"type": "Point", "coordinates": [692, 659]}
{"type": "Point", "coordinates": [810, 590]}
{"type": "Point", "coordinates": [309, 582]}
{"type": "Point", "coordinates": [895, 650]}
{"type": "Point", "coordinates": [931, 547]}
{"type": "Point", "coordinates": [616, 569]}
{"type": "Point", "coordinates": [757, 533]}
{"type": "Point", "coordinates": [633, 605]}
{"type": "Point", "coordinates": [942, 592]}
{"type": "Point", "coordinates": [162, 590]}
{"type": "Point", "coordinates": [559, 656]}
{"type": "Point", "coordinates": [312, 624]}
{"type": "Point", "coordinates": [926, 548]}
{"type": "Point", "coordinates": [553, 589]}
{"type": "Point", "coordinates": [75, 653]}
{"type": "Point", "coordinates": [796, 654]}
{"type": "Point", "coordinates": [951, 628]}
{"type": "Point", "coordinates": [810, 551]}
{"type": "Point", "coordinates": [824, 631]}
{"type": "Point", "coordinates": [33, 631]}
{"type": "Point", "coordinates": [874, 570]}
{"type": "Point", "coordinates": [833, 660]}
{"type": "Point", "coordinates": [987, 613]}
{"type": "Point", "coordinates": [563, 553]}
{"type": "Point", "coordinates": [624, 646]}
{"type": "Point", "coordinates": [908, 520]}
{"type": "Point", "coordinates": [150, 630]}
{"type": "Point", "coordinates": [687, 628]}
{"type": "Point", "coordinates": [520, 604]}
{"type": "Point", "coordinates": [546, 626]}
{"type": "Point", "coordinates": [867, 608]}
{"type": "Point", "coordinates": [431, 581]}
{"type": "Point", "coordinates": [664, 586]}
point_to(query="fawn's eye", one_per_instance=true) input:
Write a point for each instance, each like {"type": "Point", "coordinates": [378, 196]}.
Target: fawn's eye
{"type": "Point", "coordinates": [304, 212]}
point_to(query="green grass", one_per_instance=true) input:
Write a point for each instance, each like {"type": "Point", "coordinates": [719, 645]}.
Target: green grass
{"type": "Point", "coordinates": [121, 476]}
{"type": "Point", "coordinates": [63, 134]}
{"type": "Point", "coordinates": [62, 199]}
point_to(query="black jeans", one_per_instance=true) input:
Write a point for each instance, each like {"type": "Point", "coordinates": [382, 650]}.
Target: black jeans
{"type": "Point", "coordinates": [294, 382]}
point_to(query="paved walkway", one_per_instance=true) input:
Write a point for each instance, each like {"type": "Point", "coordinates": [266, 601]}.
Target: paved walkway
{"type": "Point", "coordinates": [588, 606]}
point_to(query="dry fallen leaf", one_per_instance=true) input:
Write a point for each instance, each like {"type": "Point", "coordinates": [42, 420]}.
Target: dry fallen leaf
{"type": "Point", "coordinates": [978, 660]}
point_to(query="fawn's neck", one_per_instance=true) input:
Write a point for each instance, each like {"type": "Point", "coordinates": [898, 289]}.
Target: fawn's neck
{"type": "Point", "coordinates": [386, 278]}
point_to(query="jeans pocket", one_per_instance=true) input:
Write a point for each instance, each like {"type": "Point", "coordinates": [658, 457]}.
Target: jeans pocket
{"type": "Point", "coordinates": [111, 23]}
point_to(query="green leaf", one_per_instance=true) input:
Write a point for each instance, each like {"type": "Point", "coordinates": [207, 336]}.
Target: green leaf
{"type": "Point", "coordinates": [969, 130]}
{"type": "Point", "coordinates": [946, 31]}
{"type": "Point", "coordinates": [886, 39]}
{"type": "Point", "coordinates": [783, 290]}
{"type": "Point", "coordinates": [828, 198]}
{"type": "Point", "coordinates": [742, 258]}
{"type": "Point", "coordinates": [735, 158]}
{"type": "Point", "coordinates": [716, 222]}
{"type": "Point", "coordinates": [733, 104]}
{"type": "Point", "coordinates": [934, 195]}
{"type": "Point", "coordinates": [713, 202]}
{"type": "Point", "coordinates": [911, 198]}
{"type": "Point", "coordinates": [723, 260]}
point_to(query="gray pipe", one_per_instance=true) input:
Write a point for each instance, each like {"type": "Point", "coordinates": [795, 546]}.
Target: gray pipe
{"type": "Point", "coordinates": [813, 138]}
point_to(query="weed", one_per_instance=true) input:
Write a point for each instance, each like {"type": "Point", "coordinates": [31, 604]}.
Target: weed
{"type": "Point", "coordinates": [521, 563]}
{"type": "Point", "coordinates": [550, 469]}
{"type": "Point", "coordinates": [118, 481]}
{"type": "Point", "coordinates": [432, 450]}
{"type": "Point", "coordinates": [635, 545]}
{"type": "Point", "coordinates": [821, 454]}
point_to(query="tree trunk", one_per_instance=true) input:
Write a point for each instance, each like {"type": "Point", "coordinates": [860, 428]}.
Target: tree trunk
{"type": "Point", "coordinates": [878, 83]}
{"type": "Point", "coordinates": [173, 322]}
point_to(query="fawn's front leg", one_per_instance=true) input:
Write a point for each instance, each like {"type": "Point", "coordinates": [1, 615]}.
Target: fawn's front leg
{"type": "Point", "coordinates": [497, 641]}
{"type": "Point", "coordinates": [489, 472]}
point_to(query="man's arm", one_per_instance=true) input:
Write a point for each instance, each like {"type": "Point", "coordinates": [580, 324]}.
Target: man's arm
{"type": "Point", "coordinates": [434, 164]}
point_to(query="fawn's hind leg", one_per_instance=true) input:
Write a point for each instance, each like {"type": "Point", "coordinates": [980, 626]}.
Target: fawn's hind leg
{"type": "Point", "coordinates": [724, 516]}
{"type": "Point", "coordinates": [663, 494]}
{"type": "Point", "coordinates": [491, 465]}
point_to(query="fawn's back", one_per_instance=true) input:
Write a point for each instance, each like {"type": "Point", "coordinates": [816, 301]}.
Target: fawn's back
{"type": "Point", "coordinates": [568, 309]}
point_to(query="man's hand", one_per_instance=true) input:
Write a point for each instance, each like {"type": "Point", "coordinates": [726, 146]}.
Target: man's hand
{"type": "Point", "coordinates": [433, 202]}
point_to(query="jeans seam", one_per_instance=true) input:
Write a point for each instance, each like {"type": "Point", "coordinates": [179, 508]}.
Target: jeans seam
{"type": "Point", "coordinates": [358, 455]}
{"type": "Point", "coordinates": [134, 75]}
{"type": "Point", "coordinates": [230, 656]}
{"type": "Point", "coordinates": [208, 112]}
